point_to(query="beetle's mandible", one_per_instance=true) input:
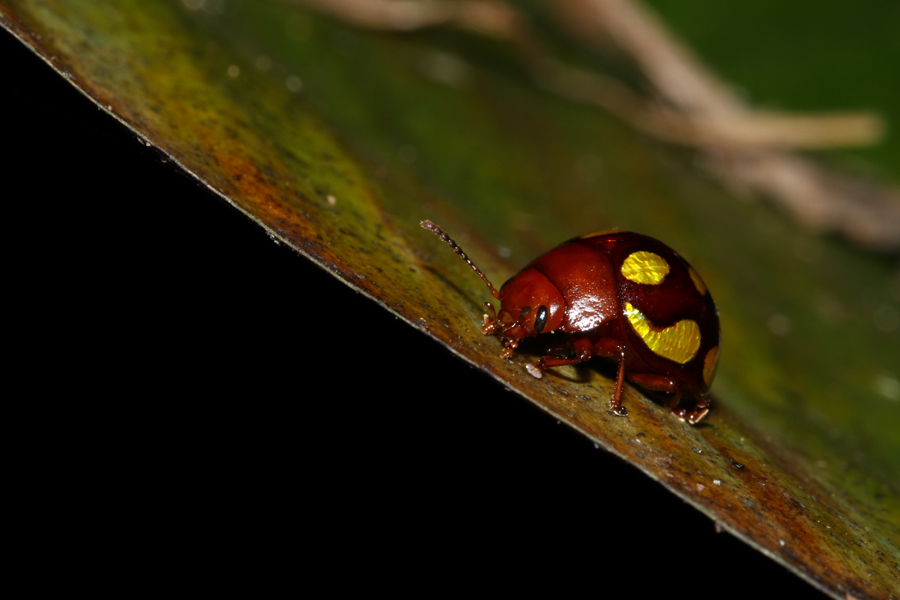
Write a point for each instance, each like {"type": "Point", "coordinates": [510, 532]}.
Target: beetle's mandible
{"type": "Point", "coordinates": [619, 295]}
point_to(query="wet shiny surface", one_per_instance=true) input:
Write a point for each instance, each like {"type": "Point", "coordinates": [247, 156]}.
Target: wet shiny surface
{"type": "Point", "coordinates": [678, 342]}
{"type": "Point", "coordinates": [710, 364]}
{"type": "Point", "coordinates": [645, 267]}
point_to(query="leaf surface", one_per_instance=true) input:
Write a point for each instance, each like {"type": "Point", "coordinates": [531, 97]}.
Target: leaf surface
{"type": "Point", "coordinates": [338, 142]}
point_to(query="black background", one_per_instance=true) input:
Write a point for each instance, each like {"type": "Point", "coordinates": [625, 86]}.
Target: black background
{"type": "Point", "coordinates": [203, 395]}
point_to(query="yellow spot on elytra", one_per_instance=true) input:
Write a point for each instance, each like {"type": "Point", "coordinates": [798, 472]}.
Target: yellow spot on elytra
{"type": "Point", "coordinates": [698, 282]}
{"type": "Point", "coordinates": [645, 267]}
{"type": "Point", "coordinates": [597, 233]}
{"type": "Point", "coordinates": [709, 365]}
{"type": "Point", "coordinates": [678, 342]}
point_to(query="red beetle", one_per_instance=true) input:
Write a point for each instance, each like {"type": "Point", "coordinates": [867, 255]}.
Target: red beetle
{"type": "Point", "coordinates": [619, 295]}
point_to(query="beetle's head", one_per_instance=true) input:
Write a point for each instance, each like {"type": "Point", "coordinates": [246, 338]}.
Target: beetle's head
{"type": "Point", "coordinates": [530, 305]}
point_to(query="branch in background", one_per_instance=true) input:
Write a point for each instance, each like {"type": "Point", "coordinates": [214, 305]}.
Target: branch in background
{"type": "Point", "coordinates": [669, 65]}
{"type": "Point", "coordinates": [490, 18]}
{"type": "Point", "coordinates": [720, 129]}
{"type": "Point", "coordinates": [743, 148]}
{"type": "Point", "coordinates": [710, 113]}
{"type": "Point", "coordinates": [706, 112]}
{"type": "Point", "coordinates": [865, 212]}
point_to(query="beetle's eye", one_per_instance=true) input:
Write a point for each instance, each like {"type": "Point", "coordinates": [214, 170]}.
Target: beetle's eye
{"type": "Point", "coordinates": [524, 312]}
{"type": "Point", "coordinates": [540, 321]}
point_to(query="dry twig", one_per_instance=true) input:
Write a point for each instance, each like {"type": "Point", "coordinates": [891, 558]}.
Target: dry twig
{"type": "Point", "coordinates": [491, 18]}
{"type": "Point", "coordinates": [744, 148]}
{"type": "Point", "coordinates": [865, 212]}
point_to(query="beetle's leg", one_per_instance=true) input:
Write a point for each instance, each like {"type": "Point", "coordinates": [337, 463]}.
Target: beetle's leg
{"type": "Point", "coordinates": [692, 417]}
{"type": "Point", "coordinates": [657, 383]}
{"type": "Point", "coordinates": [584, 351]}
{"type": "Point", "coordinates": [511, 346]}
{"type": "Point", "coordinates": [610, 347]}
{"type": "Point", "coordinates": [493, 312]}
{"type": "Point", "coordinates": [661, 383]}
{"type": "Point", "coordinates": [491, 326]}
{"type": "Point", "coordinates": [697, 414]}
{"type": "Point", "coordinates": [559, 349]}
{"type": "Point", "coordinates": [673, 402]}
{"type": "Point", "coordinates": [537, 369]}
{"type": "Point", "coordinates": [616, 402]}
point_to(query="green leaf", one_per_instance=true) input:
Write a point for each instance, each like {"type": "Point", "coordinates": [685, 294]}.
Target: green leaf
{"type": "Point", "coordinates": [339, 141]}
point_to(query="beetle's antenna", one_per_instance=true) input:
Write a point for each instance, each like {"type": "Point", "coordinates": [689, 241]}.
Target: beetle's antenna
{"type": "Point", "coordinates": [440, 233]}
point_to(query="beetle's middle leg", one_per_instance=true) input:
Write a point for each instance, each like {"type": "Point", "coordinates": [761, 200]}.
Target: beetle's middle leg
{"type": "Point", "coordinates": [612, 348]}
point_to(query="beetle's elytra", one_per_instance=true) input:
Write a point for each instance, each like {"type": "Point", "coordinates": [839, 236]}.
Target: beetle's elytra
{"type": "Point", "coordinates": [622, 296]}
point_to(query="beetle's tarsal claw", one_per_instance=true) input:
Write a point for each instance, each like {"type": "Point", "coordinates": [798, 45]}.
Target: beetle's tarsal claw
{"type": "Point", "coordinates": [491, 307]}
{"type": "Point", "coordinates": [490, 327]}
{"type": "Point", "coordinates": [696, 417]}
{"type": "Point", "coordinates": [617, 408]}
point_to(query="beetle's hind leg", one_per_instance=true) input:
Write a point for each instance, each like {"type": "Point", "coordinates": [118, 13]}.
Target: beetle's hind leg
{"type": "Point", "coordinates": [661, 383]}
{"type": "Point", "coordinates": [695, 416]}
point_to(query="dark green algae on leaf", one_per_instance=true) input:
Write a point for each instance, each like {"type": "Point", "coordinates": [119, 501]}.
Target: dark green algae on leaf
{"type": "Point", "coordinates": [338, 142]}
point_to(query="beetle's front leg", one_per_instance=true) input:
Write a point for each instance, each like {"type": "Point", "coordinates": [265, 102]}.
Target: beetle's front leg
{"type": "Point", "coordinates": [584, 351]}
{"type": "Point", "coordinates": [491, 326]}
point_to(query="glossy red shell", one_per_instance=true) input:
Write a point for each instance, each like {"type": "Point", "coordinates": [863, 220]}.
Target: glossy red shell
{"type": "Point", "coordinates": [587, 272]}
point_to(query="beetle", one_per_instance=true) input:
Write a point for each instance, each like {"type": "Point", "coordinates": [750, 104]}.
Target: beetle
{"type": "Point", "coordinates": [619, 295]}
